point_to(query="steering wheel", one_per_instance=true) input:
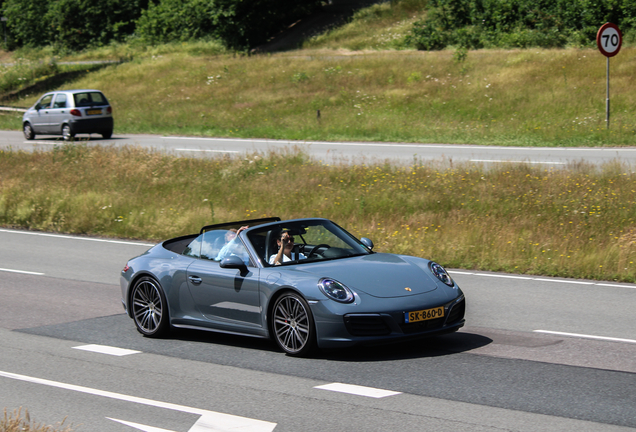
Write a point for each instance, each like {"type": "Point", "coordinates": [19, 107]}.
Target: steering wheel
{"type": "Point", "coordinates": [315, 248]}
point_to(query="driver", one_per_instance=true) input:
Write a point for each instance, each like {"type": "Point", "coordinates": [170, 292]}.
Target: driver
{"type": "Point", "coordinates": [285, 244]}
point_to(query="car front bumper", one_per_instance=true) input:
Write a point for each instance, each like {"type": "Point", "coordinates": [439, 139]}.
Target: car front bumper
{"type": "Point", "coordinates": [372, 328]}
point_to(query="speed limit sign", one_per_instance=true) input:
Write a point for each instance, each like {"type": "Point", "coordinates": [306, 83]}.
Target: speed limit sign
{"type": "Point", "coordinates": [609, 39]}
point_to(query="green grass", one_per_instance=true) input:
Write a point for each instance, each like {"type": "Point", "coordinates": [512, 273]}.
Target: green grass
{"type": "Point", "coordinates": [577, 222]}
{"type": "Point", "coordinates": [379, 27]}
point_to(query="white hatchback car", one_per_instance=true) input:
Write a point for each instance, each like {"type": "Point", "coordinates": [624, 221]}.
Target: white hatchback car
{"type": "Point", "coordinates": [67, 113]}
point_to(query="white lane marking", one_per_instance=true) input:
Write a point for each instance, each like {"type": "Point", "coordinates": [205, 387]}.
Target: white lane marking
{"type": "Point", "coordinates": [210, 421]}
{"type": "Point", "coordinates": [541, 279]}
{"type": "Point", "coordinates": [358, 390]}
{"type": "Point", "coordinates": [54, 143]}
{"type": "Point", "coordinates": [76, 238]}
{"type": "Point", "coordinates": [21, 272]}
{"type": "Point", "coordinates": [615, 285]}
{"type": "Point", "coordinates": [518, 162]}
{"type": "Point", "coordinates": [206, 150]}
{"type": "Point", "coordinates": [584, 336]}
{"type": "Point", "coordinates": [565, 281]}
{"type": "Point", "coordinates": [103, 349]}
{"type": "Point", "coordinates": [442, 146]}
{"type": "Point", "coordinates": [141, 427]}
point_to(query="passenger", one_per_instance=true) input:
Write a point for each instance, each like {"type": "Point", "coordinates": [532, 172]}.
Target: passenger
{"type": "Point", "coordinates": [284, 252]}
{"type": "Point", "coordinates": [234, 246]}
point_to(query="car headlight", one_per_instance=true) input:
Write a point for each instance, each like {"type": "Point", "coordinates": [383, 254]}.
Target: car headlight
{"type": "Point", "coordinates": [335, 290]}
{"type": "Point", "coordinates": [441, 274]}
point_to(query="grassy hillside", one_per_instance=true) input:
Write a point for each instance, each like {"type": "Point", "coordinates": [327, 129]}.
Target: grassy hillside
{"type": "Point", "coordinates": [506, 97]}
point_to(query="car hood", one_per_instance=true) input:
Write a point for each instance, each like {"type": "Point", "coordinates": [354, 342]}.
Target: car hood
{"type": "Point", "coordinates": [379, 274]}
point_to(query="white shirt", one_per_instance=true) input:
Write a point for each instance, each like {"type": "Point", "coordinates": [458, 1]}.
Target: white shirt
{"type": "Point", "coordinates": [285, 258]}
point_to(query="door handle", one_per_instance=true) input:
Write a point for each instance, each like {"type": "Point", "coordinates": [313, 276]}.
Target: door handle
{"type": "Point", "coordinates": [195, 280]}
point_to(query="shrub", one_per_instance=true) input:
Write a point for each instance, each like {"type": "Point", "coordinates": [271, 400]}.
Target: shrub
{"type": "Point", "coordinates": [176, 21]}
{"type": "Point", "coordinates": [243, 24]}
{"type": "Point", "coordinates": [518, 23]}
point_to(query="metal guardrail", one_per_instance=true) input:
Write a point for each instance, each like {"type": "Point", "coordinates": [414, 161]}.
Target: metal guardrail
{"type": "Point", "coordinates": [18, 109]}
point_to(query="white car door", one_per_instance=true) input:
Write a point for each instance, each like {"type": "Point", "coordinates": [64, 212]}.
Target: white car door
{"type": "Point", "coordinates": [40, 118]}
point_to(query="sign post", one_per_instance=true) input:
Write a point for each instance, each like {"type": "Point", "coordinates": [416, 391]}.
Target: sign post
{"type": "Point", "coordinates": [609, 40]}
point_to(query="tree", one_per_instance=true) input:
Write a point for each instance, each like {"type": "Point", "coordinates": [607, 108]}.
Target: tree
{"type": "Point", "coordinates": [77, 24]}
{"type": "Point", "coordinates": [243, 24]}
{"type": "Point", "coordinates": [26, 25]}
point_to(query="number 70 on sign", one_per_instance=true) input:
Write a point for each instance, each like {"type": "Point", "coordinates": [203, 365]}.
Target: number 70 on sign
{"type": "Point", "coordinates": [609, 39]}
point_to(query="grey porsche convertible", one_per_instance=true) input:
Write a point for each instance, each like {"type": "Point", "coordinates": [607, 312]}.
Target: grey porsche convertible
{"type": "Point", "coordinates": [305, 283]}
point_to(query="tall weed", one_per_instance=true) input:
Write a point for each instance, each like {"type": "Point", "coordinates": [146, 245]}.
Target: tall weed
{"type": "Point", "coordinates": [18, 422]}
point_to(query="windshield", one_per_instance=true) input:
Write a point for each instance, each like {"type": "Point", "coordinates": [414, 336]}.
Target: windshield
{"type": "Point", "coordinates": [306, 241]}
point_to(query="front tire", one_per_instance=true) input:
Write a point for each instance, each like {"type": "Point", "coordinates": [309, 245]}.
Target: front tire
{"type": "Point", "coordinates": [293, 325]}
{"type": "Point", "coordinates": [29, 133]}
{"type": "Point", "coordinates": [149, 308]}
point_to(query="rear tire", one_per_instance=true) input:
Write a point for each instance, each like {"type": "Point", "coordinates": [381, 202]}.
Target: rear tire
{"type": "Point", "coordinates": [149, 308]}
{"type": "Point", "coordinates": [293, 326]}
{"type": "Point", "coordinates": [67, 133]}
{"type": "Point", "coordinates": [107, 134]}
{"type": "Point", "coordinates": [28, 131]}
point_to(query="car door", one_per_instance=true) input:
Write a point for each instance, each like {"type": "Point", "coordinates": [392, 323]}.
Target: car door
{"type": "Point", "coordinates": [58, 112]}
{"type": "Point", "coordinates": [225, 296]}
{"type": "Point", "coordinates": [40, 120]}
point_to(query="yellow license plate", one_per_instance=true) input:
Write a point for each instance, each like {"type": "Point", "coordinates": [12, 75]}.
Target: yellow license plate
{"type": "Point", "coordinates": [93, 111]}
{"type": "Point", "coordinates": [423, 315]}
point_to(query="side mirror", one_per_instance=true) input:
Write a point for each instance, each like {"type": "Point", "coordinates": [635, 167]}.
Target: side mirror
{"type": "Point", "coordinates": [233, 262]}
{"type": "Point", "coordinates": [37, 107]}
{"type": "Point", "coordinates": [367, 242]}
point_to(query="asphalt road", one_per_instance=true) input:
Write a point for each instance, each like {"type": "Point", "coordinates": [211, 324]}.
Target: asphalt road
{"type": "Point", "coordinates": [62, 332]}
{"type": "Point", "coordinates": [347, 152]}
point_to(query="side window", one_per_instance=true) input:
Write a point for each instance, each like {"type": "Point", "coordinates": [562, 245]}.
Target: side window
{"type": "Point", "coordinates": [194, 248]}
{"type": "Point", "coordinates": [212, 243]}
{"type": "Point", "coordinates": [235, 248]}
{"type": "Point", "coordinates": [60, 101]}
{"type": "Point", "coordinates": [45, 102]}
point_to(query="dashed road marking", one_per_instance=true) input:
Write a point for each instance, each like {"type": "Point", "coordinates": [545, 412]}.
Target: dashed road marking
{"type": "Point", "coordinates": [205, 150]}
{"type": "Point", "coordinates": [518, 162]}
{"type": "Point", "coordinates": [358, 390]}
{"type": "Point", "coordinates": [104, 349]}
